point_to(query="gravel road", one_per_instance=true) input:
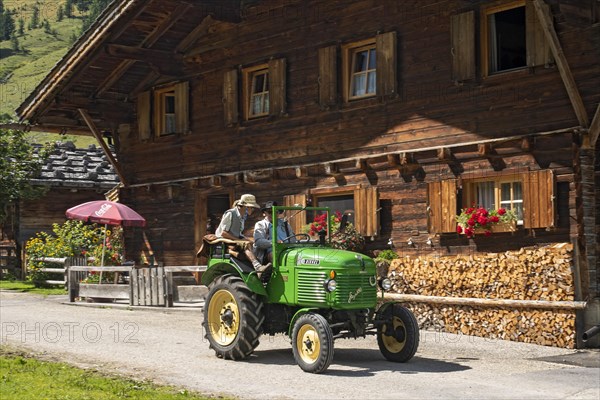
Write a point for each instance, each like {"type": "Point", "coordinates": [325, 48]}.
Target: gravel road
{"type": "Point", "coordinates": [167, 346]}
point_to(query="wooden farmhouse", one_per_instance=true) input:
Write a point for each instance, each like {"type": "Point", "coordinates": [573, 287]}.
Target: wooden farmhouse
{"type": "Point", "coordinates": [403, 112]}
{"type": "Point", "coordinates": [70, 176]}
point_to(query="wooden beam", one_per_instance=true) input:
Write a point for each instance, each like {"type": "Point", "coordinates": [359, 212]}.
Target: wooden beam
{"type": "Point", "coordinates": [98, 135]}
{"type": "Point", "coordinates": [393, 160]}
{"type": "Point", "coordinates": [595, 128]}
{"type": "Point", "coordinates": [488, 151]}
{"type": "Point", "coordinates": [301, 172]}
{"type": "Point", "coordinates": [200, 30]}
{"type": "Point", "coordinates": [167, 62]}
{"type": "Point", "coordinates": [361, 164]}
{"type": "Point", "coordinates": [147, 42]}
{"type": "Point", "coordinates": [331, 169]}
{"type": "Point", "coordinates": [407, 158]}
{"type": "Point", "coordinates": [216, 181]}
{"type": "Point", "coordinates": [562, 64]}
{"type": "Point", "coordinates": [527, 144]}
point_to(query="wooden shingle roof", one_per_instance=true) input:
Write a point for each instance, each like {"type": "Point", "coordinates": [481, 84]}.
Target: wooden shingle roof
{"type": "Point", "coordinates": [70, 167]}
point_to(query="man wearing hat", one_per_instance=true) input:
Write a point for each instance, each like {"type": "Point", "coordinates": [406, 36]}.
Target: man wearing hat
{"type": "Point", "coordinates": [232, 226]}
{"type": "Point", "coordinates": [263, 231]}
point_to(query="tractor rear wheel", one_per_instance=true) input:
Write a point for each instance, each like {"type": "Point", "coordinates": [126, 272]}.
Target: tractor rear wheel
{"type": "Point", "coordinates": [398, 337]}
{"type": "Point", "coordinates": [233, 318]}
{"type": "Point", "coordinates": [312, 343]}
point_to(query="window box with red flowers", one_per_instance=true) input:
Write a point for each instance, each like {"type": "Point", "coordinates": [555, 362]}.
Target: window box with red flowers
{"type": "Point", "coordinates": [478, 220]}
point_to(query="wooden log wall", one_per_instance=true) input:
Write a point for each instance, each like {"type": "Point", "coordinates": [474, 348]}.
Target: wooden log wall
{"type": "Point", "coordinates": [536, 273]}
{"type": "Point", "coordinates": [429, 110]}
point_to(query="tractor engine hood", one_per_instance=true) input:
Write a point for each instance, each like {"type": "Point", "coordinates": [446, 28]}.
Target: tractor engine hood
{"type": "Point", "coordinates": [330, 258]}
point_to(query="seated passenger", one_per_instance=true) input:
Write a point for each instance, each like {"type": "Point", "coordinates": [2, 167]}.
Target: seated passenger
{"type": "Point", "coordinates": [263, 230]}
{"type": "Point", "coordinates": [232, 226]}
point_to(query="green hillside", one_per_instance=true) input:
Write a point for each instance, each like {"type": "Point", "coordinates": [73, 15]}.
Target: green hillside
{"type": "Point", "coordinates": [39, 49]}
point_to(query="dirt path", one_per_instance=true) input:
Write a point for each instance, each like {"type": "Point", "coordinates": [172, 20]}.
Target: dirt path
{"type": "Point", "coordinates": [167, 346]}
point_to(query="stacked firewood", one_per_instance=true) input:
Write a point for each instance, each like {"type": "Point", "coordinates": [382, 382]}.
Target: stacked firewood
{"type": "Point", "coordinates": [528, 274]}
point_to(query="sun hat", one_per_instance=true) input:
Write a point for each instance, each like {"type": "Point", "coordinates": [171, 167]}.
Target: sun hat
{"type": "Point", "coordinates": [269, 205]}
{"type": "Point", "coordinates": [247, 200]}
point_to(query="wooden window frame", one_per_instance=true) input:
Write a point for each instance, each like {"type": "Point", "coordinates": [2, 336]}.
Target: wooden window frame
{"type": "Point", "coordinates": [538, 191]}
{"type": "Point", "coordinates": [470, 192]}
{"type": "Point", "coordinates": [485, 13]}
{"type": "Point", "coordinates": [249, 75]}
{"type": "Point", "coordinates": [160, 112]}
{"type": "Point", "coordinates": [348, 57]}
{"type": "Point", "coordinates": [366, 206]}
{"type": "Point", "coordinates": [151, 113]}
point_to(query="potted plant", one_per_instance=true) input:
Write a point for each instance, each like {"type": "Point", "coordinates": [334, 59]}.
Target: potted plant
{"type": "Point", "coordinates": [478, 220]}
{"type": "Point", "coordinates": [347, 239]}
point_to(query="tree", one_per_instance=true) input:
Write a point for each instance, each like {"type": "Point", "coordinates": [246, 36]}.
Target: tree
{"type": "Point", "coordinates": [7, 26]}
{"type": "Point", "coordinates": [69, 9]}
{"type": "Point", "coordinates": [96, 7]}
{"type": "Point", "coordinates": [19, 163]}
{"type": "Point", "coordinates": [21, 26]}
{"type": "Point", "coordinates": [14, 44]}
{"type": "Point", "coordinates": [35, 18]}
{"type": "Point", "coordinates": [60, 13]}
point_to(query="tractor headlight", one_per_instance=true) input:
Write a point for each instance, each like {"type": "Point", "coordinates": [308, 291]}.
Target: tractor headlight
{"type": "Point", "coordinates": [330, 285]}
{"type": "Point", "coordinates": [385, 284]}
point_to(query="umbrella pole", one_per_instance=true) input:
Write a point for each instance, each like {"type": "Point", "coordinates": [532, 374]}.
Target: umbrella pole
{"type": "Point", "coordinates": [103, 248]}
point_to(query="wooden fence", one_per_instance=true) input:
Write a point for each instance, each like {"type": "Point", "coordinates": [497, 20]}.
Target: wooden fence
{"type": "Point", "coordinates": [61, 272]}
{"type": "Point", "coordinates": [9, 260]}
{"type": "Point", "coordinates": [145, 286]}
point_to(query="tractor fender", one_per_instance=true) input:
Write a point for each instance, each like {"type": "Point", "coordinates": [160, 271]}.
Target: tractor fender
{"type": "Point", "coordinates": [298, 314]}
{"type": "Point", "coordinates": [250, 279]}
{"type": "Point", "coordinates": [385, 306]}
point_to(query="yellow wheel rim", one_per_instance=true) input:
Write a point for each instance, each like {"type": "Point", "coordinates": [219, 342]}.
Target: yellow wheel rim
{"type": "Point", "coordinates": [308, 344]}
{"type": "Point", "coordinates": [223, 317]}
{"type": "Point", "coordinates": [390, 342]}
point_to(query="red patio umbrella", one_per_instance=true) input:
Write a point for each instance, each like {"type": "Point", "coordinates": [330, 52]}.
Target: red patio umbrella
{"type": "Point", "coordinates": [107, 213]}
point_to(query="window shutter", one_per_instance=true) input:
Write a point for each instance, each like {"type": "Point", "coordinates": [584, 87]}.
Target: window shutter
{"type": "Point", "coordinates": [386, 63]}
{"type": "Point", "coordinates": [327, 76]}
{"type": "Point", "coordinates": [143, 115]}
{"type": "Point", "coordinates": [538, 49]}
{"type": "Point", "coordinates": [366, 211]}
{"type": "Point", "coordinates": [297, 223]}
{"type": "Point", "coordinates": [462, 28]}
{"type": "Point", "coordinates": [230, 97]}
{"type": "Point", "coordinates": [182, 107]}
{"type": "Point", "coordinates": [277, 84]}
{"type": "Point", "coordinates": [442, 206]}
{"type": "Point", "coordinates": [538, 199]}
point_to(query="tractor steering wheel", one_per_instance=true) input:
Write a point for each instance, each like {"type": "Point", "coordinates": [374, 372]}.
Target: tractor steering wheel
{"type": "Point", "coordinates": [300, 237]}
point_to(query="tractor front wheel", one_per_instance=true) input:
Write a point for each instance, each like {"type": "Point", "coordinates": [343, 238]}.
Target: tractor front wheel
{"type": "Point", "coordinates": [312, 343]}
{"type": "Point", "coordinates": [398, 337]}
{"type": "Point", "coordinates": [233, 318]}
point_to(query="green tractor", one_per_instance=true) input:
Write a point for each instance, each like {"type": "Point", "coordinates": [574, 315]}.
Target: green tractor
{"type": "Point", "coordinates": [314, 294]}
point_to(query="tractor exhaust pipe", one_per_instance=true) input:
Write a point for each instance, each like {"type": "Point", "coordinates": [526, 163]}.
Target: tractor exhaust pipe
{"type": "Point", "coordinates": [590, 333]}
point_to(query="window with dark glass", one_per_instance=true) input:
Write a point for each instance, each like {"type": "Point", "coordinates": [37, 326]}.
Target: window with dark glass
{"type": "Point", "coordinates": [507, 45]}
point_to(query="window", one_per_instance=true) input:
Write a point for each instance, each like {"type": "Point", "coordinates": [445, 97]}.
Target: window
{"type": "Point", "coordinates": [258, 92]}
{"type": "Point", "coordinates": [361, 205]}
{"type": "Point", "coordinates": [263, 91]}
{"type": "Point", "coordinates": [506, 39]}
{"type": "Point", "coordinates": [495, 194]}
{"type": "Point", "coordinates": [368, 69]}
{"type": "Point", "coordinates": [363, 76]}
{"type": "Point", "coordinates": [163, 111]}
{"type": "Point", "coordinates": [530, 195]}
{"type": "Point", "coordinates": [511, 39]}
{"type": "Point", "coordinates": [344, 204]}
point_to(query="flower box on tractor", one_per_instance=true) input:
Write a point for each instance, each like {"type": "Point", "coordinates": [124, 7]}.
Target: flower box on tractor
{"type": "Point", "coordinates": [314, 294]}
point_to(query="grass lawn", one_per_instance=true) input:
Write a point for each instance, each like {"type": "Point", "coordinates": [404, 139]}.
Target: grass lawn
{"type": "Point", "coordinates": [24, 377]}
{"type": "Point", "coordinates": [30, 288]}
